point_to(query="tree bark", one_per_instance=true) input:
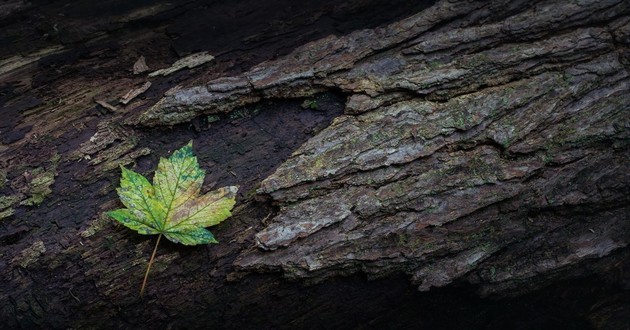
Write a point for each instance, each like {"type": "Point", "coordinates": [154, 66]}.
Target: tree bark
{"type": "Point", "coordinates": [401, 164]}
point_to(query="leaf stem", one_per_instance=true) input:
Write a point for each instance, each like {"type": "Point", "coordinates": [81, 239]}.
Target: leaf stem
{"type": "Point", "coordinates": [146, 275]}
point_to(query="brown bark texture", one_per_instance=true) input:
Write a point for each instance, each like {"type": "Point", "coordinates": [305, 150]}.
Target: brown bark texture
{"type": "Point", "coordinates": [401, 164]}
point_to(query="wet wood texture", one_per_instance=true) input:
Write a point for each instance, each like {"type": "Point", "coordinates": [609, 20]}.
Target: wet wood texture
{"type": "Point", "coordinates": [405, 164]}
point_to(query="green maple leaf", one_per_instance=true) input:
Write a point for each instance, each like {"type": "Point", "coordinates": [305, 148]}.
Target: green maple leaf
{"type": "Point", "coordinates": [171, 206]}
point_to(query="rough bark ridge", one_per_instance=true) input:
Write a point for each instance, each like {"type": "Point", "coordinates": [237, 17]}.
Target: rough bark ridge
{"type": "Point", "coordinates": [481, 142]}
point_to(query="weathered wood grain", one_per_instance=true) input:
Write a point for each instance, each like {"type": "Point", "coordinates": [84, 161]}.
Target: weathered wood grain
{"type": "Point", "coordinates": [462, 148]}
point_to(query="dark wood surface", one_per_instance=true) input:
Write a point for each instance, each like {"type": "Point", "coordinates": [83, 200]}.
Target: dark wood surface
{"type": "Point", "coordinates": [554, 237]}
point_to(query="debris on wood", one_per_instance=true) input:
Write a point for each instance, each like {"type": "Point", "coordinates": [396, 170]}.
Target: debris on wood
{"type": "Point", "coordinates": [106, 105]}
{"type": "Point", "coordinates": [39, 182]}
{"type": "Point", "coordinates": [132, 94]}
{"type": "Point", "coordinates": [30, 254]}
{"type": "Point", "coordinates": [190, 62]}
{"type": "Point", "coordinates": [140, 66]}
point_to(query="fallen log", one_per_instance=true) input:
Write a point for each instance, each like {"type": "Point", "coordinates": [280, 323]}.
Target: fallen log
{"type": "Point", "coordinates": [425, 164]}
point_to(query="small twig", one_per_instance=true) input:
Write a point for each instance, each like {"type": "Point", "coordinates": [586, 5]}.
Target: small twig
{"type": "Point", "coordinates": [264, 221]}
{"type": "Point", "coordinates": [135, 92]}
{"type": "Point", "coordinates": [244, 231]}
{"type": "Point", "coordinates": [73, 296]}
{"type": "Point", "coordinates": [107, 106]}
{"type": "Point", "coordinates": [146, 275]}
